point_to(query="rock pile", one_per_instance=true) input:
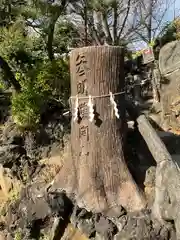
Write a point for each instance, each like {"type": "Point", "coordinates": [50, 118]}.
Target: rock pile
{"type": "Point", "coordinates": [41, 212]}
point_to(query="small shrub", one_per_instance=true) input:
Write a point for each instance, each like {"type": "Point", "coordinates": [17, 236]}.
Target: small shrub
{"type": "Point", "coordinates": [50, 81]}
{"type": "Point", "coordinates": [55, 76]}
{"type": "Point", "coordinates": [26, 109]}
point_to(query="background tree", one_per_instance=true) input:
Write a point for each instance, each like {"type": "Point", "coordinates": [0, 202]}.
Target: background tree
{"type": "Point", "coordinates": [107, 22]}
{"type": "Point", "coordinates": [151, 18]}
{"type": "Point", "coordinates": [31, 59]}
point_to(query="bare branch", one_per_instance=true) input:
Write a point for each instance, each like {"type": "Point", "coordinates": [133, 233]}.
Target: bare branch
{"type": "Point", "coordinates": [106, 28]}
{"type": "Point", "coordinates": [125, 19]}
{"type": "Point", "coordinates": [93, 31]}
{"type": "Point", "coordinates": [151, 15]}
{"type": "Point", "coordinates": [115, 16]}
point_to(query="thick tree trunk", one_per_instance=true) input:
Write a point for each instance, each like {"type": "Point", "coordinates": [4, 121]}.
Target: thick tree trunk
{"type": "Point", "coordinates": [99, 176]}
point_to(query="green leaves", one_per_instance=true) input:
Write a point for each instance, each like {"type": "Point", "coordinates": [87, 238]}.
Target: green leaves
{"type": "Point", "coordinates": [65, 35]}
{"type": "Point", "coordinates": [24, 38]}
{"type": "Point", "coordinates": [26, 109]}
{"type": "Point", "coordinates": [54, 78]}
{"type": "Point", "coordinates": [50, 81]}
{"type": "Point", "coordinates": [168, 34]}
{"type": "Point", "coordinates": [10, 11]}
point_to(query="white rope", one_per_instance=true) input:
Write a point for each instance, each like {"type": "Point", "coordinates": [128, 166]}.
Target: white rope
{"type": "Point", "coordinates": [114, 104]}
{"type": "Point", "coordinates": [100, 96]}
{"type": "Point", "coordinates": [91, 109]}
{"type": "Point", "coordinates": [76, 109]}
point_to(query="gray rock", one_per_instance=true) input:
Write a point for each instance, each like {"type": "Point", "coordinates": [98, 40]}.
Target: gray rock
{"type": "Point", "coordinates": [139, 226]}
{"type": "Point", "coordinates": [9, 154]}
{"type": "Point", "coordinates": [83, 220]}
{"type": "Point", "coordinates": [169, 60]}
{"type": "Point", "coordinates": [105, 228]}
{"type": "Point", "coordinates": [87, 227]}
{"type": "Point", "coordinates": [150, 176]}
{"type": "Point", "coordinates": [169, 64]}
{"type": "Point", "coordinates": [45, 142]}
{"type": "Point", "coordinates": [167, 196]}
{"type": "Point", "coordinates": [100, 237]}
{"type": "Point", "coordinates": [35, 211]}
{"type": "Point", "coordinates": [120, 222]}
{"type": "Point", "coordinates": [55, 228]}
{"type": "Point", "coordinates": [79, 214]}
{"type": "Point", "coordinates": [59, 203]}
{"type": "Point", "coordinates": [9, 237]}
{"type": "Point", "coordinates": [33, 205]}
{"type": "Point", "coordinates": [11, 134]}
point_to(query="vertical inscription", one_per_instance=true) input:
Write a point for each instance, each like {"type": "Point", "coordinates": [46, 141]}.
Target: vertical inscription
{"type": "Point", "coordinates": [84, 132]}
{"type": "Point", "coordinates": [80, 62]}
{"type": "Point", "coordinates": [83, 110]}
{"type": "Point", "coordinates": [80, 70]}
{"type": "Point", "coordinates": [81, 87]}
{"type": "Point", "coordinates": [81, 66]}
{"type": "Point", "coordinates": [84, 139]}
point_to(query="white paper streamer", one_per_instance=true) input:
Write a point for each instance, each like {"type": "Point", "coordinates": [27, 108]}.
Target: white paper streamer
{"type": "Point", "coordinates": [91, 109]}
{"type": "Point", "coordinates": [114, 104]}
{"type": "Point", "coordinates": [76, 109]}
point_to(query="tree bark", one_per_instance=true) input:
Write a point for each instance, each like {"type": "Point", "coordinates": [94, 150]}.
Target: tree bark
{"type": "Point", "coordinates": [97, 172]}
{"type": "Point", "coordinates": [51, 29]}
{"type": "Point", "coordinates": [53, 20]}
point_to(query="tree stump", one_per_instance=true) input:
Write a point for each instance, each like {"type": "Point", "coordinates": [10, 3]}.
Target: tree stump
{"type": "Point", "coordinates": [96, 173]}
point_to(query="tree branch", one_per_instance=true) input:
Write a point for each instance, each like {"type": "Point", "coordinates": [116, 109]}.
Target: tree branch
{"type": "Point", "coordinates": [149, 25]}
{"type": "Point", "coordinates": [51, 28]}
{"type": "Point", "coordinates": [125, 19]}
{"type": "Point", "coordinates": [106, 28]}
{"type": "Point", "coordinates": [51, 36]}
{"type": "Point", "coordinates": [115, 16]}
{"type": "Point", "coordinates": [141, 36]}
{"type": "Point", "coordinates": [93, 30]}
{"type": "Point", "coordinates": [32, 24]}
{"type": "Point", "coordinates": [160, 20]}
{"type": "Point", "coordinates": [94, 34]}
